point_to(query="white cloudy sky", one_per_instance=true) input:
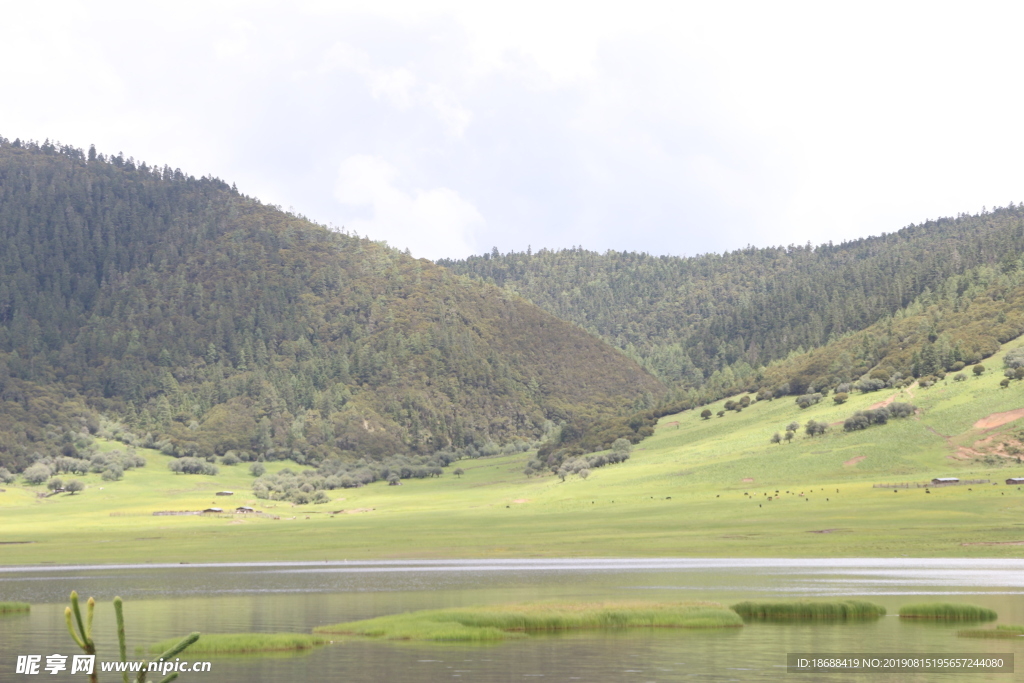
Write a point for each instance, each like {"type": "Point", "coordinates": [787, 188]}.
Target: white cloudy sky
{"type": "Point", "coordinates": [452, 127]}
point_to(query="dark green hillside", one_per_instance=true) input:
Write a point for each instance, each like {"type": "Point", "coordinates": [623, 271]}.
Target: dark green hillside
{"type": "Point", "coordinates": [188, 310]}
{"type": "Point", "coordinates": [685, 319]}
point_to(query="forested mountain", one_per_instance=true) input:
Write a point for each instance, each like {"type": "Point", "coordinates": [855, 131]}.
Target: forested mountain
{"type": "Point", "coordinates": [689, 320]}
{"type": "Point", "coordinates": [180, 307]}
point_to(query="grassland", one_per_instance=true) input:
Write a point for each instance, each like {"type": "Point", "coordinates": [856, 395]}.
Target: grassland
{"type": "Point", "coordinates": [845, 610]}
{"type": "Point", "coordinates": [499, 622]}
{"type": "Point", "coordinates": [244, 643]}
{"type": "Point", "coordinates": [942, 611]}
{"type": "Point", "coordinates": [696, 488]}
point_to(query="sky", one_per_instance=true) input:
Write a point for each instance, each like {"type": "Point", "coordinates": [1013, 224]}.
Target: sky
{"type": "Point", "coordinates": [448, 128]}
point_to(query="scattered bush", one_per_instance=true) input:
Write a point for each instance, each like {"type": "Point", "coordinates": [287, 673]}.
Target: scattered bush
{"type": "Point", "coordinates": [257, 469]}
{"type": "Point", "coordinates": [959, 377]}
{"type": "Point", "coordinates": [1014, 358]}
{"type": "Point", "coordinates": [978, 370]}
{"type": "Point", "coordinates": [230, 459]}
{"type": "Point", "coordinates": [112, 473]}
{"type": "Point", "coordinates": [808, 400]}
{"type": "Point", "coordinates": [74, 486]}
{"type": "Point", "coordinates": [863, 419]}
{"type": "Point", "coordinates": [37, 474]}
{"type": "Point", "coordinates": [815, 428]}
{"type": "Point", "coordinates": [870, 384]}
{"type": "Point", "coordinates": [841, 398]}
{"type": "Point", "coordinates": [6, 477]}
{"type": "Point", "coordinates": [192, 466]}
{"type": "Point", "coordinates": [705, 414]}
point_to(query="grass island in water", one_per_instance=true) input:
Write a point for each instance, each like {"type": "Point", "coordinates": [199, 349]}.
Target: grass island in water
{"type": "Point", "coordinates": [500, 622]}
{"type": "Point", "coordinates": [246, 643]}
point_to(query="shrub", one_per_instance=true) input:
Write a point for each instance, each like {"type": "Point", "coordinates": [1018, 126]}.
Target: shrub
{"type": "Point", "coordinates": [814, 428]}
{"type": "Point", "coordinates": [6, 476]}
{"type": "Point", "coordinates": [112, 473]}
{"type": "Point", "coordinates": [901, 409]}
{"type": "Point", "coordinates": [978, 369]}
{"type": "Point", "coordinates": [37, 474]}
{"type": "Point", "coordinates": [840, 398]}
{"type": "Point", "coordinates": [705, 414]}
{"type": "Point", "coordinates": [870, 384]}
{"type": "Point", "coordinates": [192, 466]}
{"type": "Point", "coordinates": [959, 377]}
{"type": "Point", "coordinates": [808, 400]}
{"type": "Point", "coordinates": [257, 469]}
{"type": "Point", "coordinates": [1014, 358]}
{"type": "Point", "coordinates": [230, 459]}
{"type": "Point", "coordinates": [55, 484]}
{"type": "Point", "coordinates": [74, 486]}
{"type": "Point", "coordinates": [957, 366]}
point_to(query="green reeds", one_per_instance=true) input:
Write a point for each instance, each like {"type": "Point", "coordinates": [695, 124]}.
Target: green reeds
{"type": "Point", "coordinates": [846, 610]}
{"type": "Point", "coordinates": [245, 643]}
{"type": "Point", "coordinates": [499, 622]}
{"type": "Point", "coordinates": [1005, 631]}
{"type": "Point", "coordinates": [14, 607]}
{"type": "Point", "coordinates": [947, 612]}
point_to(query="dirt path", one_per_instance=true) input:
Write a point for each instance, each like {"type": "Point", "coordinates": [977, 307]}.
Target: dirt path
{"type": "Point", "coordinates": [999, 419]}
{"type": "Point", "coordinates": [885, 402]}
{"type": "Point", "coordinates": [853, 461]}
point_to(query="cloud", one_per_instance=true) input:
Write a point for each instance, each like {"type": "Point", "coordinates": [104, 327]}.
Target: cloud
{"type": "Point", "coordinates": [399, 86]}
{"type": "Point", "coordinates": [432, 223]}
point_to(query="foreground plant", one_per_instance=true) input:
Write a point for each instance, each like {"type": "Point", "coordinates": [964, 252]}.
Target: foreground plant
{"type": "Point", "coordinates": [83, 638]}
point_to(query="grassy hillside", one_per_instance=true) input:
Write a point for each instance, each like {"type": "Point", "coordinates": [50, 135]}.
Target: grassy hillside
{"type": "Point", "coordinates": [696, 488]}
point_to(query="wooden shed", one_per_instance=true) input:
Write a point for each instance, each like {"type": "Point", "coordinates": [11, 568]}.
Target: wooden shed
{"type": "Point", "coordinates": [1015, 481]}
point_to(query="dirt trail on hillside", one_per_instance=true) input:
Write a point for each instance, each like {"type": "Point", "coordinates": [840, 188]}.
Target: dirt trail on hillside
{"type": "Point", "coordinates": [999, 419]}
{"type": "Point", "coordinates": [883, 403]}
{"type": "Point", "coordinates": [853, 461]}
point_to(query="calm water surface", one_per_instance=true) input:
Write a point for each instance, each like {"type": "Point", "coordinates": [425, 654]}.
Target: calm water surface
{"type": "Point", "coordinates": [163, 601]}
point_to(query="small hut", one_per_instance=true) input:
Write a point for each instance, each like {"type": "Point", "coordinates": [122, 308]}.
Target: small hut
{"type": "Point", "coordinates": [1015, 481]}
{"type": "Point", "coordinates": [225, 493]}
{"type": "Point", "coordinates": [244, 510]}
{"type": "Point", "coordinates": [939, 481]}
{"type": "Point", "coordinates": [213, 510]}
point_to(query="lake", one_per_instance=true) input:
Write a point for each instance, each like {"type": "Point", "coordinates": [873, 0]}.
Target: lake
{"type": "Point", "coordinates": [163, 601]}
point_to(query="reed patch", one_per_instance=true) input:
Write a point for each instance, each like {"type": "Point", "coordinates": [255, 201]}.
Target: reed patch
{"type": "Point", "coordinates": [14, 607]}
{"type": "Point", "coordinates": [944, 611]}
{"type": "Point", "coordinates": [845, 610]}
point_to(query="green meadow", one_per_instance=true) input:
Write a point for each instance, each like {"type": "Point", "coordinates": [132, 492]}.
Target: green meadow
{"type": "Point", "coordinates": [696, 488]}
